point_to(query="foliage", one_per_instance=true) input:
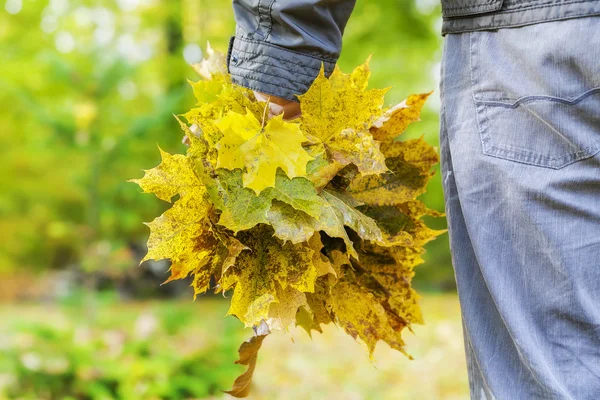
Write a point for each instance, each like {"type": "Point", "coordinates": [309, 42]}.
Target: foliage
{"type": "Point", "coordinates": [116, 352]}
{"type": "Point", "coordinates": [181, 353]}
{"type": "Point", "coordinates": [316, 217]}
{"type": "Point", "coordinates": [76, 121]}
{"type": "Point", "coordinates": [85, 86]}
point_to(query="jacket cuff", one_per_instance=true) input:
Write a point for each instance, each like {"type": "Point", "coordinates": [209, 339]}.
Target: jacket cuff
{"type": "Point", "coordinates": [271, 69]}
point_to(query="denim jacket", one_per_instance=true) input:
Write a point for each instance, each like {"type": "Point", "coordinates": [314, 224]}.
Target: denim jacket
{"type": "Point", "coordinates": [280, 45]}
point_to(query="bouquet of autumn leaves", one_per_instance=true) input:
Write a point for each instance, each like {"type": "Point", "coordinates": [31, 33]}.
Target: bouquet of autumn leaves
{"type": "Point", "coordinates": [308, 222]}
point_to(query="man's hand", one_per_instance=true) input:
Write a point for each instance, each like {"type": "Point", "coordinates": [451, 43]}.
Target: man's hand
{"type": "Point", "coordinates": [289, 109]}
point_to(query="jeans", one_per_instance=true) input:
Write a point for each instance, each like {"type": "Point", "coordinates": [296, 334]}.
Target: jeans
{"type": "Point", "coordinates": [520, 148]}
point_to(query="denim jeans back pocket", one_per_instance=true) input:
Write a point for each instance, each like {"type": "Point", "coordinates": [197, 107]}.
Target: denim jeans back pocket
{"type": "Point", "coordinates": [537, 97]}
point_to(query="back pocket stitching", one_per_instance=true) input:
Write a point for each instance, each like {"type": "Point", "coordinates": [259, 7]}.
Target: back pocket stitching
{"type": "Point", "coordinates": [529, 99]}
{"type": "Point", "coordinates": [522, 155]}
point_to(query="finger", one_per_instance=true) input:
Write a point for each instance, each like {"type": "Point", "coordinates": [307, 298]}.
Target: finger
{"type": "Point", "coordinates": [289, 109]}
{"type": "Point", "coordinates": [261, 97]}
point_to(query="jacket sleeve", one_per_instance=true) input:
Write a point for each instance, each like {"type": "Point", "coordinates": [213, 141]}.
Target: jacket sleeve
{"type": "Point", "coordinates": [280, 45]}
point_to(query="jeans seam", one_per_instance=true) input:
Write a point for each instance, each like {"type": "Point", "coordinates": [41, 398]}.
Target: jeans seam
{"type": "Point", "coordinates": [569, 158]}
{"type": "Point", "coordinates": [476, 360]}
{"type": "Point", "coordinates": [259, 16]}
{"type": "Point", "coordinates": [310, 76]}
{"type": "Point", "coordinates": [451, 25]}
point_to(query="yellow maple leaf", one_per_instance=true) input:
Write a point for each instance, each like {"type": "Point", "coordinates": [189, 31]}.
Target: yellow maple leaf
{"type": "Point", "coordinates": [182, 235]}
{"type": "Point", "coordinates": [320, 261]}
{"type": "Point", "coordinates": [314, 221]}
{"type": "Point", "coordinates": [290, 224]}
{"type": "Point", "coordinates": [357, 147]}
{"type": "Point", "coordinates": [185, 233]}
{"type": "Point", "coordinates": [317, 312]}
{"type": "Point", "coordinates": [213, 67]}
{"type": "Point", "coordinates": [409, 164]}
{"type": "Point", "coordinates": [283, 312]}
{"type": "Point", "coordinates": [260, 149]}
{"type": "Point", "coordinates": [395, 120]}
{"type": "Point", "coordinates": [260, 275]}
{"type": "Point", "coordinates": [337, 113]}
{"type": "Point", "coordinates": [392, 270]}
{"type": "Point", "coordinates": [321, 170]}
{"type": "Point", "coordinates": [337, 212]}
{"type": "Point", "coordinates": [362, 316]}
{"type": "Point", "coordinates": [172, 176]}
{"type": "Point", "coordinates": [404, 219]}
{"type": "Point", "coordinates": [215, 97]}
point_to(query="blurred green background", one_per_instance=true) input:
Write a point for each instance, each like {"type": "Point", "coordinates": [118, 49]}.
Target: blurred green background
{"type": "Point", "coordinates": [88, 88]}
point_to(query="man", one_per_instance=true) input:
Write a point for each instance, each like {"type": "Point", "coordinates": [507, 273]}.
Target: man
{"type": "Point", "coordinates": [520, 147]}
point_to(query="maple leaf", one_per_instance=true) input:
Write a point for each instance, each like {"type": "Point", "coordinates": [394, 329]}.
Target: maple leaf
{"type": "Point", "coordinates": [207, 91]}
{"type": "Point", "coordinates": [185, 233]}
{"type": "Point", "coordinates": [387, 273]}
{"type": "Point", "coordinates": [340, 213]}
{"type": "Point", "coordinates": [321, 171]}
{"type": "Point", "coordinates": [261, 274]}
{"type": "Point", "coordinates": [261, 150]}
{"type": "Point", "coordinates": [345, 209]}
{"type": "Point", "coordinates": [214, 66]}
{"type": "Point", "coordinates": [316, 312]}
{"type": "Point", "coordinates": [248, 354]}
{"type": "Point", "coordinates": [312, 222]}
{"type": "Point", "coordinates": [322, 264]}
{"type": "Point", "coordinates": [180, 234]}
{"type": "Point", "coordinates": [291, 224]}
{"type": "Point", "coordinates": [409, 164]}
{"type": "Point", "coordinates": [215, 97]}
{"type": "Point", "coordinates": [337, 114]}
{"type": "Point", "coordinates": [172, 176]}
{"type": "Point", "coordinates": [404, 218]}
{"type": "Point", "coordinates": [283, 312]}
{"type": "Point", "coordinates": [305, 319]}
{"type": "Point", "coordinates": [358, 311]}
{"type": "Point", "coordinates": [232, 249]}
{"type": "Point", "coordinates": [395, 120]}
{"type": "Point", "coordinates": [299, 193]}
{"type": "Point", "coordinates": [243, 209]}
{"type": "Point", "coordinates": [359, 148]}
{"type": "Point", "coordinates": [337, 212]}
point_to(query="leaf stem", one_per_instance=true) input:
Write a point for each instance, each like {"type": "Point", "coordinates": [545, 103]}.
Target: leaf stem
{"type": "Point", "coordinates": [262, 127]}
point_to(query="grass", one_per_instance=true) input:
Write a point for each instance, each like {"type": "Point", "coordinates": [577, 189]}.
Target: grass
{"type": "Point", "coordinates": [187, 343]}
